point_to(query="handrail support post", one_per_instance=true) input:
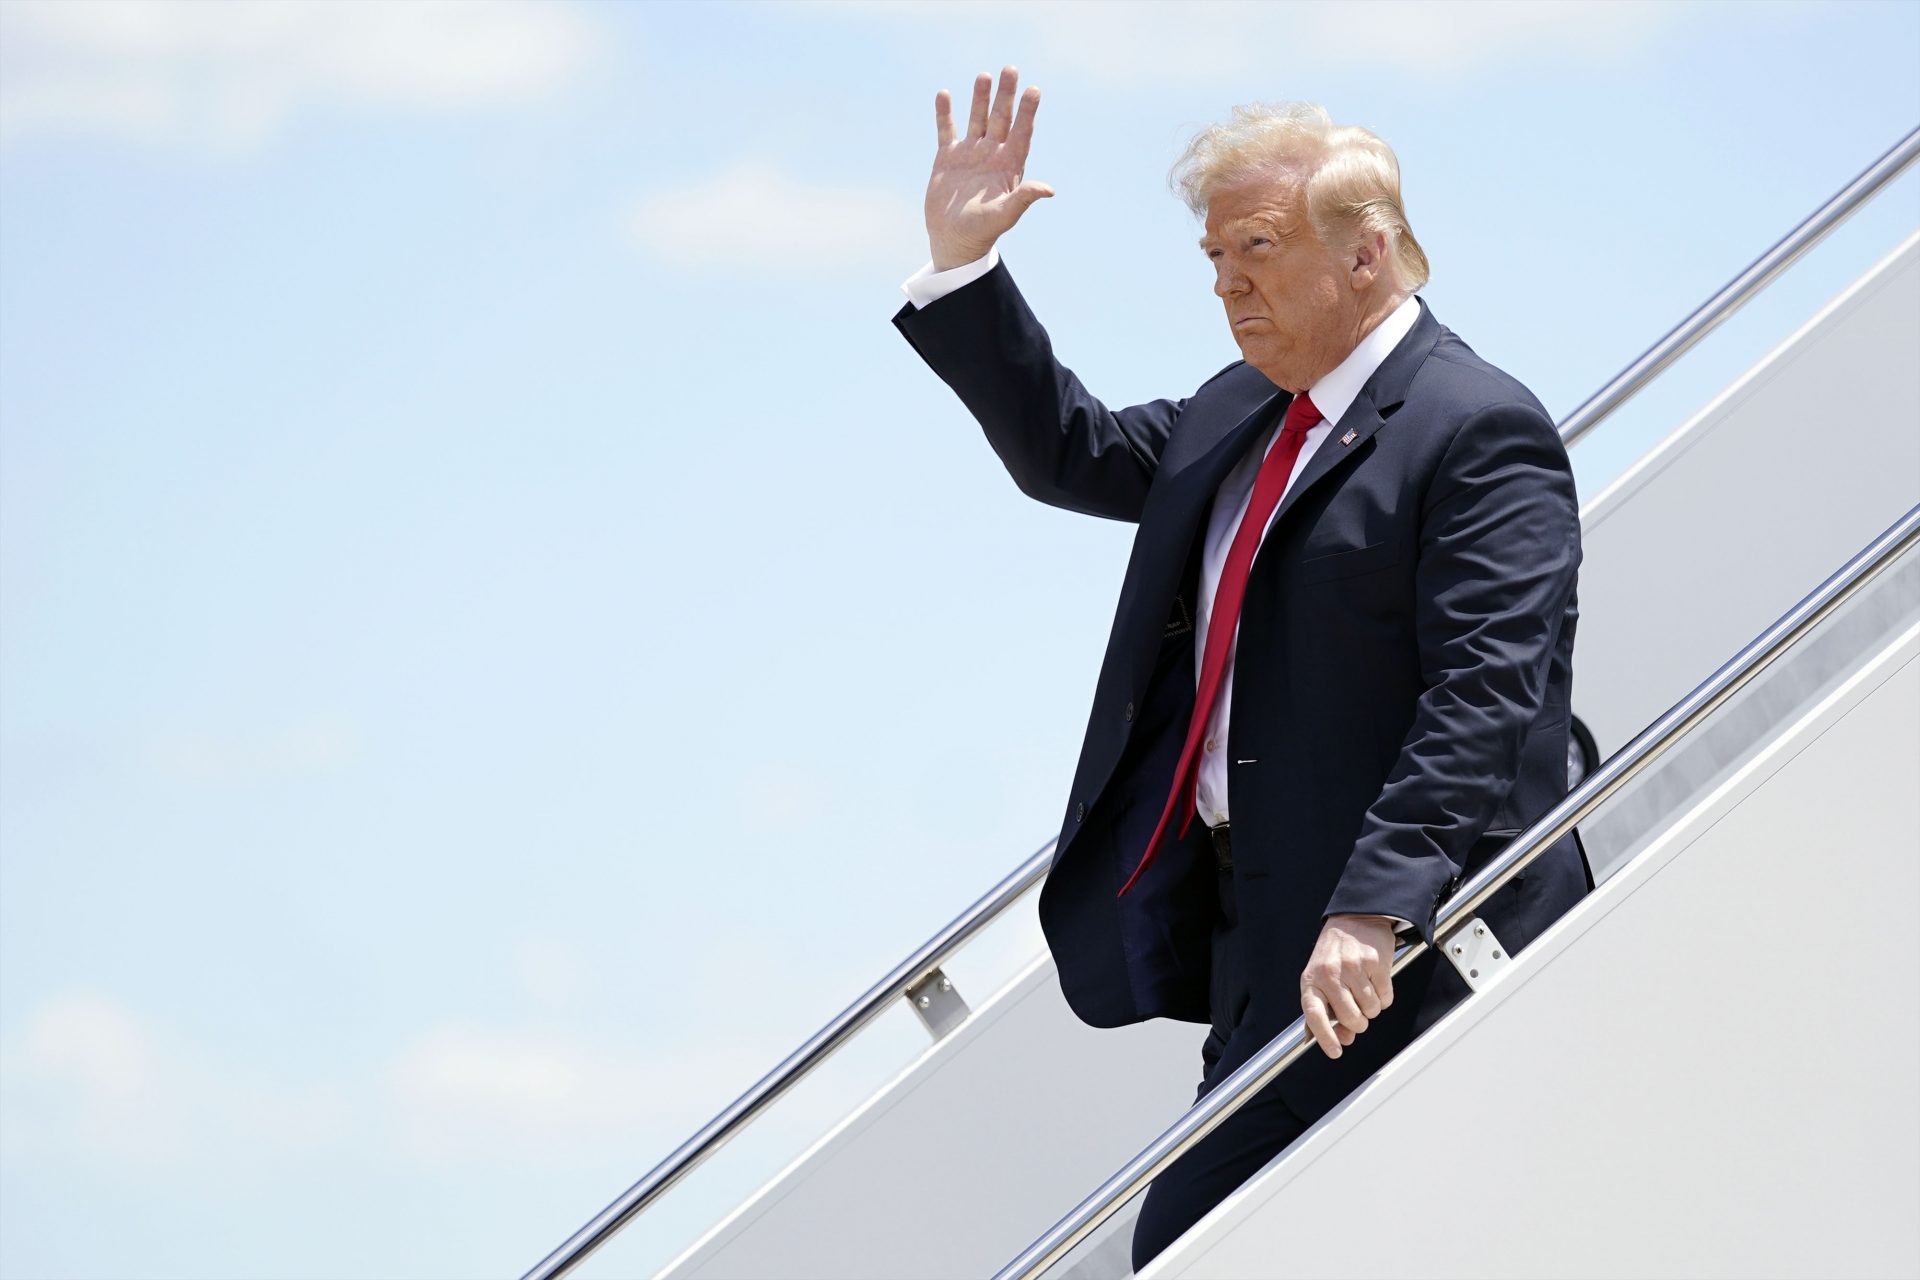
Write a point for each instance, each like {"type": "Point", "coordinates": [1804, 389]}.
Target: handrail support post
{"type": "Point", "coordinates": [1475, 953]}
{"type": "Point", "coordinates": [937, 1003]}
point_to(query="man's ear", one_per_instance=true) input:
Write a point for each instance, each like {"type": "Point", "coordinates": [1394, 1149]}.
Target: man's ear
{"type": "Point", "coordinates": [1365, 260]}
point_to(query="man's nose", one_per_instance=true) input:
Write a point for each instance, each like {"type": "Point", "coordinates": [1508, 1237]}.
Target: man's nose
{"type": "Point", "coordinates": [1227, 279]}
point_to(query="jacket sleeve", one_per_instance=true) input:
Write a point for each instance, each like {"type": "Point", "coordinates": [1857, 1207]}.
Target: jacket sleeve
{"type": "Point", "coordinates": [1498, 560]}
{"type": "Point", "coordinates": [1058, 442]}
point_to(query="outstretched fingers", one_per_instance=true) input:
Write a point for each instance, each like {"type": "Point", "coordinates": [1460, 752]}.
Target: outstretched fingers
{"type": "Point", "coordinates": [975, 192]}
{"type": "Point", "coordinates": [977, 119]}
{"type": "Point", "coordinates": [943, 117]}
{"type": "Point", "coordinates": [1002, 118]}
{"type": "Point", "coordinates": [1022, 136]}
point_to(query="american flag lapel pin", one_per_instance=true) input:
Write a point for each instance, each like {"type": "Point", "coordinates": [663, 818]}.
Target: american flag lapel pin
{"type": "Point", "coordinates": [1348, 438]}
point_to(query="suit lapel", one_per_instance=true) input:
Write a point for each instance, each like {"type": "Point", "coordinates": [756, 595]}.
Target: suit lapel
{"type": "Point", "coordinates": [1382, 394]}
{"type": "Point", "coordinates": [1355, 428]}
{"type": "Point", "coordinates": [1191, 476]}
{"type": "Point", "coordinates": [1178, 510]}
{"type": "Point", "coordinates": [1193, 481]}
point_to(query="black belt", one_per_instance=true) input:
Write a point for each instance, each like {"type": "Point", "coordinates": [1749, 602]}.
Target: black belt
{"type": "Point", "coordinates": [1222, 846]}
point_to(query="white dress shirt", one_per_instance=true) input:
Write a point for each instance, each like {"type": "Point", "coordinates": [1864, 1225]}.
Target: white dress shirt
{"type": "Point", "coordinates": [1333, 395]}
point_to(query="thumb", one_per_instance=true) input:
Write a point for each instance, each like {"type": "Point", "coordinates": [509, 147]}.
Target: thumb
{"type": "Point", "coordinates": [1027, 192]}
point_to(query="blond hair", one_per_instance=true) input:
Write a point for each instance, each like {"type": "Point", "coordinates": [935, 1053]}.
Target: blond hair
{"type": "Point", "coordinates": [1353, 178]}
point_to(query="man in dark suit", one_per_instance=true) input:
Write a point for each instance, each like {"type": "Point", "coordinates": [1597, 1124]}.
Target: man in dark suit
{"type": "Point", "coordinates": [1344, 641]}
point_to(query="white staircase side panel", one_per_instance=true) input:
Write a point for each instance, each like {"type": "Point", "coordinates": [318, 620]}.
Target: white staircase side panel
{"type": "Point", "coordinates": [1710, 1067]}
{"type": "Point", "coordinates": [1743, 510]}
{"type": "Point", "coordinates": [981, 1144]}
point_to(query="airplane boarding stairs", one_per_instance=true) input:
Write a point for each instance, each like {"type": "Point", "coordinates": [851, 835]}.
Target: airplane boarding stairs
{"type": "Point", "coordinates": [1001, 1126]}
{"type": "Point", "coordinates": [1709, 1067]}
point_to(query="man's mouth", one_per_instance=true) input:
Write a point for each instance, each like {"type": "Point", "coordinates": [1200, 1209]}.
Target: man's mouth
{"type": "Point", "coordinates": [1246, 320]}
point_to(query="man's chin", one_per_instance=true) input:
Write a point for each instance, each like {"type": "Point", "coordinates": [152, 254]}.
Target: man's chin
{"type": "Point", "coordinates": [1257, 349]}
{"type": "Point", "coordinates": [1261, 358]}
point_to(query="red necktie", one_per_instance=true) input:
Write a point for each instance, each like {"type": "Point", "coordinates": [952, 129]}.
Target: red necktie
{"type": "Point", "coordinates": [1267, 488]}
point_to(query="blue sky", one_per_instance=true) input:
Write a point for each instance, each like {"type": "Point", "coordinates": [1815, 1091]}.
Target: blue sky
{"type": "Point", "coordinates": [500, 639]}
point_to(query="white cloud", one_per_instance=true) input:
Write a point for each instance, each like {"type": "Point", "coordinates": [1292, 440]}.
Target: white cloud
{"type": "Point", "coordinates": [88, 1076]}
{"type": "Point", "coordinates": [93, 1042]}
{"type": "Point", "coordinates": [227, 75]}
{"type": "Point", "coordinates": [756, 218]}
{"type": "Point", "coordinates": [91, 1077]}
{"type": "Point", "coordinates": [462, 1093]}
{"type": "Point", "coordinates": [1202, 40]}
{"type": "Point", "coordinates": [90, 1080]}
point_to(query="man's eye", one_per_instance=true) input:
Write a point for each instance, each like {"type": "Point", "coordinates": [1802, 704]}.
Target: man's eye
{"type": "Point", "coordinates": [1260, 240]}
{"type": "Point", "coordinates": [1213, 253]}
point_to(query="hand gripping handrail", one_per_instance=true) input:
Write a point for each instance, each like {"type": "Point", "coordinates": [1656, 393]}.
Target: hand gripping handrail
{"type": "Point", "coordinates": [1458, 912]}
{"type": "Point", "coordinates": [1737, 291]}
{"type": "Point", "coordinates": [723, 1127]}
{"type": "Point", "coordinates": [691, 1153]}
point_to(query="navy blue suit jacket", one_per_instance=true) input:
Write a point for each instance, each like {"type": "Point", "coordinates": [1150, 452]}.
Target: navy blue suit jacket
{"type": "Point", "coordinates": [1402, 679]}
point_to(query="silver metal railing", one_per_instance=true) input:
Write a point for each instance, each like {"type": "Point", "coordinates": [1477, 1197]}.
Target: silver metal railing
{"type": "Point", "coordinates": [919, 971]}
{"type": "Point", "coordinates": [918, 978]}
{"type": "Point", "coordinates": [1456, 917]}
{"type": "Point", "coordinates": [1737, 291]}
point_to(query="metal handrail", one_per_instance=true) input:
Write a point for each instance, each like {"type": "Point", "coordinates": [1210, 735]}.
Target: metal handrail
{"type": "Point", "coordinates": [1737, 291]}
{"type": "Point", "coordinates": [1648, 746]}
{"type": "Point", "coordinates": [723, 1127]}
{"type": "Point", "coordinates": [797, 1065]}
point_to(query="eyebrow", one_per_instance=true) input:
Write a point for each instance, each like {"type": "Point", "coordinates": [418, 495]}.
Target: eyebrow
{"type": "Point", "coordinates": [1265, 221]}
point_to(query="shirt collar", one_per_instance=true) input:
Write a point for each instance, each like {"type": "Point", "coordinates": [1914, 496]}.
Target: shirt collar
{"type": "Point", "coordinates": [1334, 394]}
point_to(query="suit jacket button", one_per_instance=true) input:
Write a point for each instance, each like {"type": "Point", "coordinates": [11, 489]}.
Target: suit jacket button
{"type": "Point", "coordinates": [1079, 812]}
{"type": "Point", "coordinates": [1129, 713]}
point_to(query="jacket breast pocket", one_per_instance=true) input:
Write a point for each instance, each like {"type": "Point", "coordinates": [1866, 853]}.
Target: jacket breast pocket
{"type": "Point", "coordinates": [1349, 564]}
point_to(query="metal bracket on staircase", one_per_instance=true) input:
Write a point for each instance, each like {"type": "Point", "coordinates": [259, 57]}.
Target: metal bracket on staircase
{"type": "Point", "coordinates": [1475, 952]}
{"type": "Point", "coordinates": [936, 1003]}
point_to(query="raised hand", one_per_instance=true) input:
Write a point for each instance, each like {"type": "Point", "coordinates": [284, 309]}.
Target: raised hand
{"type": "Point", "coordinates": [976, 192]}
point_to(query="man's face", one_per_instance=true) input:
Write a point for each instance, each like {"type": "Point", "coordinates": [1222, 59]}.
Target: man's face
{"type": "Point", "coordinates": [1288, 295]}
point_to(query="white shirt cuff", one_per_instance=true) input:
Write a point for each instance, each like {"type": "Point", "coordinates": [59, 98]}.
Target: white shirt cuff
{"type": "Point", "coordinates": [927, 286]}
